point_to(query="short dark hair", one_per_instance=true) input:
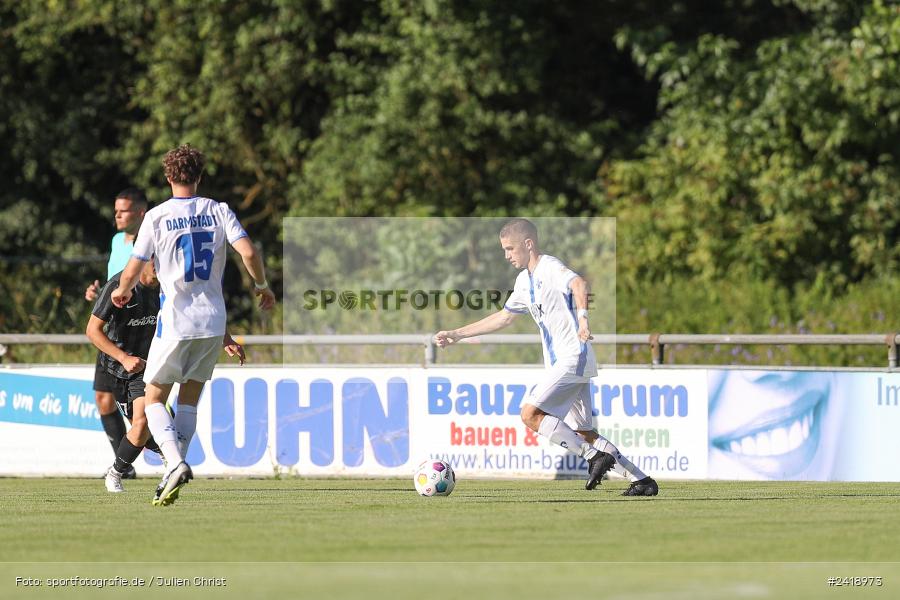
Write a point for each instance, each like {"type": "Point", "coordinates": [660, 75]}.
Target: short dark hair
{"type": "Point", "coordinates": [136, 195]}
{"type": "Point", "coordinates": [184, 164]}
{"type": "Point", "coordinates": [519, 227]}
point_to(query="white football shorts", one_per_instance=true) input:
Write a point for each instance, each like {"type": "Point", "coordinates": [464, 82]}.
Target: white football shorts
{"type": "Point", "coordinates": [177, 361]}
{"type": "Point", "coordinates": [566, 396]}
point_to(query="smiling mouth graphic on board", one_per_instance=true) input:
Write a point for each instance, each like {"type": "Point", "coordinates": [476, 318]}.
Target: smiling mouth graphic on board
{"type": "Point", "coordinates": [778, 442]}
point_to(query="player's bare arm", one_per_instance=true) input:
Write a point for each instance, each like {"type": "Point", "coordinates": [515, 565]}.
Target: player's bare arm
{"type": "Point", "coordinates": [489, 324]}
{"type": "Point", "coordinates": [580, 289]}
{"type": "Point", "coordinates": [253, 263]}
{"type": "Point", "coordinates": [129, 278]}
{"type": "Point", "coordinates": [95, 333]}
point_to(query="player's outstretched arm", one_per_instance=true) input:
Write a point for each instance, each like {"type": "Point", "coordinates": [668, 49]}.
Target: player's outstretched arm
{"type": "Point", "coordinates": [127, 280]}
{"type": "Point", "coordinates": [254, 265]}
{"type": "Point", "coordinates": [489, 324]}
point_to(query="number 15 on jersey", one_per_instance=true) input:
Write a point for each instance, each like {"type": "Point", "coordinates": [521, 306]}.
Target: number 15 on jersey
{"type": "Point", "coordinates": [197, 248]}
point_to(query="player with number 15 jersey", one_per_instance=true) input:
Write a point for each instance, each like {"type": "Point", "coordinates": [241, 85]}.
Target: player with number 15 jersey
{"type": "Point", "coordinates": [188, 237]}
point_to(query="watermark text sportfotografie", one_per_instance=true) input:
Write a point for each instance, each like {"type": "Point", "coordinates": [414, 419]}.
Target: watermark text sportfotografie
{"type": "Point", "coordinates": [400, 299]}
{"type": "Point", "coordinates": [118, 581]}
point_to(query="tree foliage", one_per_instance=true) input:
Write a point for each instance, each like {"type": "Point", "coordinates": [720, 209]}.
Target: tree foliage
{"type": "Point", "coordinates": [777, 163]}
{"type": "Point", "coordinates": [749, 143]}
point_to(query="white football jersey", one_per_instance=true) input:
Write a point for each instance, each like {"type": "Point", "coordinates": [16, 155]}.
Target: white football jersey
{"type": "Point", "coordinates": [187, 237]}
{"type": "Point", "coordinates": [546, 295]}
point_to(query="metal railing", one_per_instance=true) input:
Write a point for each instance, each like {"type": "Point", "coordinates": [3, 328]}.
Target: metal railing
{"type": "Point", "coordinates": [656, 342]}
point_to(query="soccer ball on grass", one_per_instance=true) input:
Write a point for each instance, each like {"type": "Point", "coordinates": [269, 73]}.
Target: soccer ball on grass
{"type": "Point", "coordinates": [434, 478]}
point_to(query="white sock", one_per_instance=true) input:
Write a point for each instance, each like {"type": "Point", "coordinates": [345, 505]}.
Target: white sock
{"type": "Point", "coordinates": [562, 435]}
{"type": "Point", "coordinates": [162, 428]}
{"type": "Point", "coordinates": [623, 466]}
{"type": "Point", "coordinates": [185, 426]}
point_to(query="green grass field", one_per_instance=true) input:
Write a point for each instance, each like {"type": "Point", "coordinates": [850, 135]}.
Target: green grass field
{"type": "Point", "coordinates": [372, 538]}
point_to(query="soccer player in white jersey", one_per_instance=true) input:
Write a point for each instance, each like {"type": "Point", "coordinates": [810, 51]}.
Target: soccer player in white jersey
{"type": "Point", "coordinates": [186, 235]}
{"type": "Point", "coordinates": [558, 408]}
